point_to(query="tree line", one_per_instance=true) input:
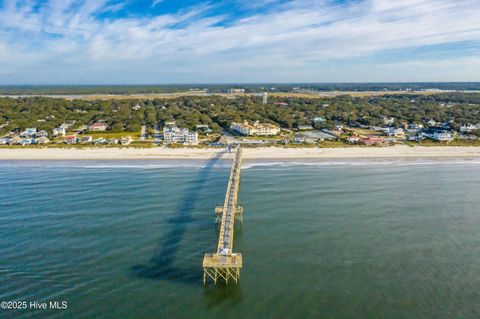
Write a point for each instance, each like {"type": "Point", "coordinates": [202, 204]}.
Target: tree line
{"type": "Point", "coordinates": [218, 111]}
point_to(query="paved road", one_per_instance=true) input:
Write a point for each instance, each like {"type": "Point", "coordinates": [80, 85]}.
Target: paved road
{"type": "Point", "coordinates": [143, 133]}
{"type": "Point", "coordinates": [156, 132]}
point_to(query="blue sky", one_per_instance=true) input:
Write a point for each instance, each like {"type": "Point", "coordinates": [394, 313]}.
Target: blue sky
{"type": "Point", "coordinates": [228, 41]}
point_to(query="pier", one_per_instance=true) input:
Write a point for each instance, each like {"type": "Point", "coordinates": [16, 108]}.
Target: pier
{"type": "Point", "coordinates": [224, 264]}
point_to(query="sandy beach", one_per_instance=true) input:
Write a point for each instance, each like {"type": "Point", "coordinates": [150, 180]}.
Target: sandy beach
{"type": "Point", "coordinates": [253, 153]}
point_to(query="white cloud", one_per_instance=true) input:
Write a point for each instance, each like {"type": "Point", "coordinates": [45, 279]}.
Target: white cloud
{"type": "Point", "coordinates": [157, 2]}
{"type": "Point", "coordinates": [296, 41]}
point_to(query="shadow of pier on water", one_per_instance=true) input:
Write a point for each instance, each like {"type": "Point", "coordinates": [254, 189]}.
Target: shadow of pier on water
{"type": "Point", "coordinates": [162, 264]}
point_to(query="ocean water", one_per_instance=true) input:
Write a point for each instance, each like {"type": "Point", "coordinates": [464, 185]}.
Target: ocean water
{"type": "Point", "coordinates": [358, 239]}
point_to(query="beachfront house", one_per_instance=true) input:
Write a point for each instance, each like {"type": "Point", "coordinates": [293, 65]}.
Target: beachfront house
{"type": "Point", "coordinates": [86, 139]}
{"type": "Point", "coordinates": [71, 139]}
{"type": "Point", "coordinates": [372, 140]}
{"type": "Point", "coordinates": [29, 133]}
{"type": "Point", "coordinates": [393, 131]}
{"type": "Point", "coordinates": [442, 136]}
{"type": "Point", "coordinates": [59, 131]}
{"type": "Point", "coordinates": [43, 140]}
{"type": "Point", "coordinates": [126, 140]}
{"type": "Point", "coordinates": [42, 133]}
{"type": "Point", "coordinates": [257, 128]}
{"type": "Point", "coordinates": [27, 141]}
{"type": "Point", "coordinates": [112, 141]}
{"type": "Point", "coordinates": [414, 128]}
{"type": "Point", "coordinates": [298, 139]}
{"type": "Point", "coordinates": [98, 127]}
{"type": "Point", "coordinates": [353, 139]}
{"type": "Point", "coordinates": [100, 141]}
{"type": "Point", "coordinates": [415, 138]}
{"type": "Point", "coordinates": [173, 134]}
{"type": "Point", "coordinates": [15, 140]}
{"type": "Point", "coordinates": [468, 128]}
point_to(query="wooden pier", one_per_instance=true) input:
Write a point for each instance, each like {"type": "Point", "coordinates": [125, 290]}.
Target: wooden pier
{"type": "Point", "coordinates": [224, 264]}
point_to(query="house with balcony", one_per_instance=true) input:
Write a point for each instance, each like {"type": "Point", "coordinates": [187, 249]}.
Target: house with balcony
{"type": "Point", "coordinates": [174, 135]}
{"type": "Point", "coordinates": [256, 128]}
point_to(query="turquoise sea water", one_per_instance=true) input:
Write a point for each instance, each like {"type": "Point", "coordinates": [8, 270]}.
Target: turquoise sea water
{"type": "Point", "coordinates": [368, 239]}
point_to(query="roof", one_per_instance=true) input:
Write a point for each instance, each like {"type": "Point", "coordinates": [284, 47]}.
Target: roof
{"type": "Point", "coordinates": [98, 124]}
{"type": "Point", "coordinates": [373, 138]}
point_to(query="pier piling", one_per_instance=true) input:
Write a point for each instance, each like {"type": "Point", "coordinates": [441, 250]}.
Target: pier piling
{"type": "Point", "coordinates": [224, 264]}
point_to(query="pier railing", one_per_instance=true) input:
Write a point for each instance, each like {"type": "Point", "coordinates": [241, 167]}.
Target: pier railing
{"type": "Point", "coordinates": [224, 264]}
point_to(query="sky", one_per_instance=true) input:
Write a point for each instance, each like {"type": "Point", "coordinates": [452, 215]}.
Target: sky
{"type": "Point", "coordinates": [238, 41]}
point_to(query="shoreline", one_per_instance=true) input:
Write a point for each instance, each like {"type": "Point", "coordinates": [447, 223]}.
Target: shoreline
{"type": "Point", "coordinates": [274, 153]}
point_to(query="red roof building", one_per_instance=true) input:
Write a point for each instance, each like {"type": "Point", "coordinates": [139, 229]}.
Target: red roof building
{"type": "Point", "coordinates": [372, 140]}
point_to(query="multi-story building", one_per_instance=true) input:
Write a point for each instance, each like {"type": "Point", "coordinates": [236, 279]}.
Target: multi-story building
{"type": "Point", "coordinates": [174, 134]}
{"type": "Point", "coordinates": [257, 128]}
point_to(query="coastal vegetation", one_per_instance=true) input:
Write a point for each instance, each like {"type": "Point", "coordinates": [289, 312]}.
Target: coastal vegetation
{"type": "Point", "coordinates": [218, 111]}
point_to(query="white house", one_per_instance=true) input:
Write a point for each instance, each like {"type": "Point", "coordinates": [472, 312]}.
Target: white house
{"type": "Point", "coordinates": [393, 131]}
{"type": "Point", "coordinates": [353, 139]}
{"type": "Point", "coordinates": [126, 140]}
{"type": "Point", "coordinates": [299, 139]}
{"type": "Point", "coordinates": [388, 120]}
{"type": "Point", "coordinates": [442, 136]}
{"type": "Point", "coordinates": [174, 134]}
{"type": "Point", "coordinates": [59, 131]}
{"type": "Point", "coordinates": [68, 124]}
{"type": "Point", "coordinates": [468, 128]}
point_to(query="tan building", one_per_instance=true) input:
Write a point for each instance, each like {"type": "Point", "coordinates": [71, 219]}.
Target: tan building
{"type": "Point", "coordinates": [257, 128]}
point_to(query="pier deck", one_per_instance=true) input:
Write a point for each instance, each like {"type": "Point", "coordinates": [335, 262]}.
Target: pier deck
{"type": "Point", "coordinates": [224, 264]}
